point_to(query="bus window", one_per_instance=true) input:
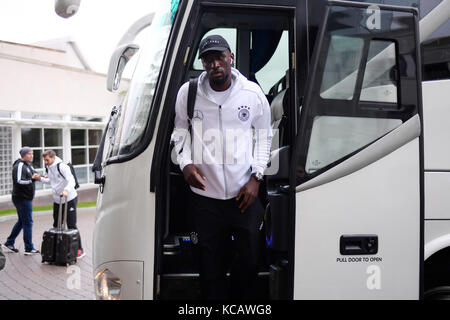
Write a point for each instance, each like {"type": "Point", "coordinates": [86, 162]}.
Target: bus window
{"type": "Point", "coordinates": [333, 138]}
{"type": "Point", "coordinates": [435, 57]}
{"type": "Point", "coordinates": [358, 95]}
{"type": "Point", "coordinates": [436, 60]}
{"type": "Point", "coordinates": [139, 99]}
{"type": "Point", "coordinates": [343, 60]}
{"type": "Point", "coordinates": [380, 78]}
{"type": "Point", "coordinates": [277, 66]}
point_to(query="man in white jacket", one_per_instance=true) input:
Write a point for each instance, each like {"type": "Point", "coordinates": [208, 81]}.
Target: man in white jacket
{"type": "Point", "coordinates": [223, 152]}
{"type": "Point", "coordinates": [60, 177]}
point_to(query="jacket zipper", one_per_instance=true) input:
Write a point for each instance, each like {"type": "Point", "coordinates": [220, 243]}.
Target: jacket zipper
{"type": "Point", "coordinates": [223, 151]}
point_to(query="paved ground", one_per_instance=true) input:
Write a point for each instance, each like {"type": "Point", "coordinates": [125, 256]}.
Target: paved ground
{"type": "Point", "coordinates": [26, 278]}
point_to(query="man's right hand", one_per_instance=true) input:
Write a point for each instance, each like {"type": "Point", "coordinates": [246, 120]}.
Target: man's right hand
{"type": "Point", "coordinates": [191, 174]}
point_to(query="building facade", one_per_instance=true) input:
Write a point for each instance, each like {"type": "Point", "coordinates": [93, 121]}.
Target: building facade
{"type": "Point", "coordinates": [51, 99]}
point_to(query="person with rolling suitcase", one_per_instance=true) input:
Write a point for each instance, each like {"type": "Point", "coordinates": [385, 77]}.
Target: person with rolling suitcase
{"type": "Point", "coordinates": [60, 244]}
{"type": "Point", "coordinates": [63, 182]}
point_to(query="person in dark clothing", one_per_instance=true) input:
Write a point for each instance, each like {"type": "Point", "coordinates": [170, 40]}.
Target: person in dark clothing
{"type": "Point", "coordinates": [24, 177]}
{"type": "Point", "coordinates": [224, 201]}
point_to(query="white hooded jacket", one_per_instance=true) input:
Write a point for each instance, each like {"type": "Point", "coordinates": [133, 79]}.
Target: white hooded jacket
{"type": "Point", "coordinates": [58, 183]}
{"type": "Point", "coordinates": [230, 141]}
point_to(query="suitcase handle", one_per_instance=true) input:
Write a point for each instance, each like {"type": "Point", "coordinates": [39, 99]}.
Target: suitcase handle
{"type": "Point", "coordinates": [62, 223]}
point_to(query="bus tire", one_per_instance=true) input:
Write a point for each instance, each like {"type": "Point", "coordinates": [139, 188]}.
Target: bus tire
{"type": "Point", "coordinates": [437, 276]}
{"type": "Point", "coordinates": [438, 293]}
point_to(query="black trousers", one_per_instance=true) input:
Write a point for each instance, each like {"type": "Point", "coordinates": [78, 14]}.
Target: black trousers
{"type": "Point", "coordinates": [71, 215]}
{"type": "Point", "coordinates": [228, 240]}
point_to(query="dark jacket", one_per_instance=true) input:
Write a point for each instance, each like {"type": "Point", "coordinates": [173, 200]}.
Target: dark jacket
{"type": "Point", "coordinates": [23, 185]}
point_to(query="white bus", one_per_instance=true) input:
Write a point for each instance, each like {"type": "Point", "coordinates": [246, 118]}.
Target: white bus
{"type": "Point", "coordinates": [356, 194]}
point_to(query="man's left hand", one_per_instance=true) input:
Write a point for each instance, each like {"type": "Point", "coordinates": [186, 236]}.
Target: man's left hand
{"type": "Point", "coordinates": [250, 192]}
{"type": "Point", "coordinates": [65, 193]}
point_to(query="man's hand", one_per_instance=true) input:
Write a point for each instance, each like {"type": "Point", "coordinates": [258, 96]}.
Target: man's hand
{"type": "Point", "coordinates": [65, 193]}
{"type": "Point", "coordinates": [250, 192]}
{"type": "Point", "coordinates": [192, 175]}
{"type": "Point", "coordinates": [36, 176]}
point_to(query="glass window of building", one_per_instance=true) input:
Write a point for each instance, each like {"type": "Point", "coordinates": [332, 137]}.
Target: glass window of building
{"type": "Point", "coordinates": [5, 160]}
{"type": "Point", "coordinates": [5, 114]}
{"type": "Point", "coordinates": [39, 140]}
{"type": "Point", "coordinates": [84, 148]}
{"type": "Point", "coordinates": [40, 116]}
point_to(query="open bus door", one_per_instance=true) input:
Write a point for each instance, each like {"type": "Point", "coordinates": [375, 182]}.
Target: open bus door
{"type": "Point", "coordinates": [345, 219]}
{"type": "Point", "coordinates": [356, 172]}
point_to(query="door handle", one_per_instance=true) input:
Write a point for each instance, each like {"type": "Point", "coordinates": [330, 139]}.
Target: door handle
{"type": "Point", "coordinates": [358, 244]}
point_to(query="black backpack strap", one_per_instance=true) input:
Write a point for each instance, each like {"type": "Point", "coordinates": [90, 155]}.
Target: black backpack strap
{"type": "Point", "coordinates": [192, 94]}
{"type": "Point", "coordinates": [59, 170]}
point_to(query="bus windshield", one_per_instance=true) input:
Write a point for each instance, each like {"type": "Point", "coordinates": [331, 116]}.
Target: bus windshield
{"type": "Point", "coordinates": [139, 98]}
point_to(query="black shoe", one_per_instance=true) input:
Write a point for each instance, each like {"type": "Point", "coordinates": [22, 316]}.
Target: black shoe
{"type": "Point", "coordinates": [31, 252]}
{"type": "Point", "coordinates": [10, 248]}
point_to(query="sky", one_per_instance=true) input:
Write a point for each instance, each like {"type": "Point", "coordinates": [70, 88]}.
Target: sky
{"type": "Point", "coordinates": [97, 27]}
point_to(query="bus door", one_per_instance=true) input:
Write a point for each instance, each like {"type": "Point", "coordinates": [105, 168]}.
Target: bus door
{"type": "Point", "coordinates": [357, 168]}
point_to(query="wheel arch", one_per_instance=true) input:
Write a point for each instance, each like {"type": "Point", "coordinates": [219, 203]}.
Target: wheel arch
{"type": "Point", "coordinates": [437, 263]}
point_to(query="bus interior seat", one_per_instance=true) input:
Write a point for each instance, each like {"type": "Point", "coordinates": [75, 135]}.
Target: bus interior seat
{"type": "Point", "coordinates": [279, 110]}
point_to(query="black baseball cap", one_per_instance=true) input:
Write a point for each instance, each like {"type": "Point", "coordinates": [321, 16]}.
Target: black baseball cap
{"type": "Point", "coordinates": [213, 43]}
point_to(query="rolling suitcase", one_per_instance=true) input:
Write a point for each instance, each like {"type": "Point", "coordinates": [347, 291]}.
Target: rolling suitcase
{"type": "Point", "coordinates": [60, 245]}
{"type": "Point", "coordinates": [48, 246]}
